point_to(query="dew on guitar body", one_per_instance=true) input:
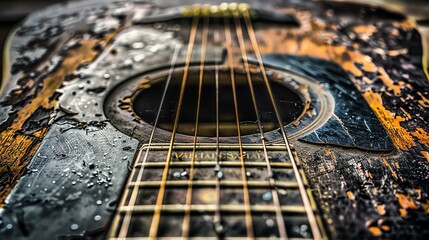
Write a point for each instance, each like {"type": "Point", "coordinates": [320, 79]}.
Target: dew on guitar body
{"type": "Point", "coordinates": [124, 119]}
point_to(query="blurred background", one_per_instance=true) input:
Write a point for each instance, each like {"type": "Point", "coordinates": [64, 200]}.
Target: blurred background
{"type": "Point", "coordinates": [14, 11]}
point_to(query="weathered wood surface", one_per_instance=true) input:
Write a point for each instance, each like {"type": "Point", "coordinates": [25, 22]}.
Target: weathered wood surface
{"type": "Point", "coordinates": [57, 67]}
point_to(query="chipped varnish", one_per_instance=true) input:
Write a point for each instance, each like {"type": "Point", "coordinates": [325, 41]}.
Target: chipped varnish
{"type": "Point", "coordinates": [16, 148]}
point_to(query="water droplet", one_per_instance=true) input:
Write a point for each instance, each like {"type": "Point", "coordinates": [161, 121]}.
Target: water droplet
{"type": "Point", "coordinates": [137, 45]}
{"type": "Point", "coordinates": [99, 202]}
{"type": "Point", "coordinates": [9, 226]}
{"type": "Point", "coordinates": [139, 58]}
{"type": "Point", "coordinates": [281, 191]}
{"type": "Point", "coordinates": [97, 218]}
{"type": "Point", "coordinates": [106, 76]}
{"type": "Point", "coordinates": [269, 222]}
{"type": "Point", "coordinates": [217, 168]}
{"type": "Point", "coordinates": [128, 64]}
{"type": "Point", "coordinates": [105, 26]}
{"type": "Point", "coordinates": [218, 228]}
{"type": "Point", "coordinates": [267, 196]}
{"type": "Point", "coordinates": [124, 157]}
{"type": "Point", "coordinates": [219, 175]}
{"type": "Point", "coordinates": [74, 227]}
{"type": "Point", "coordinates": [176, 174]}
{"type": "Point", "coordinates": [153, 49]}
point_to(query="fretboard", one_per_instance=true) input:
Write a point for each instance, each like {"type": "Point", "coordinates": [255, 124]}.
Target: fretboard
{"type": "Point", "coordinates": [212, 204]}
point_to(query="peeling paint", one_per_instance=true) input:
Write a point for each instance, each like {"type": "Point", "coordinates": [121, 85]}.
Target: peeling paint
{"type": "Point", "coordinates": [400, 136]}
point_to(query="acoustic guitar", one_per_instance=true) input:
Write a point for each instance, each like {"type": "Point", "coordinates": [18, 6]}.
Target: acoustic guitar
{"type": "Point", "coordinates": [209, 120]}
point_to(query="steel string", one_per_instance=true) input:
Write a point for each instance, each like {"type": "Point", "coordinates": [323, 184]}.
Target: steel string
{"type": "Point", "coordinates": [158, 206]}
{"type": "Point", "coordinates": [307, 205]}
{"type": "Point", "coordinates": [127, 218]}
{"type": "Point", "coordinates": [186, 220]}
{"type": "Point", "coordinates": [247, 207]}
{"type": "Point", "coordinates": [276, 201]}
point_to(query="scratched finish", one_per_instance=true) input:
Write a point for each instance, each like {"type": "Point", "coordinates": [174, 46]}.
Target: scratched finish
{"type": "Point", "coordinates": [364, 194]}
{"type": "Point", "coordinates": [61, 71]}
{"type": "Point", "coordinates": [75, 173]}
{"type": "Point", "coordinates": [352, 120]}
{"type": "Point", "coordinates": [42, 57]}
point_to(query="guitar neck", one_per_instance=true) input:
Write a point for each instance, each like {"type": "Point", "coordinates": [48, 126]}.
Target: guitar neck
{"type": "Point", "coordinates": [205, 194]}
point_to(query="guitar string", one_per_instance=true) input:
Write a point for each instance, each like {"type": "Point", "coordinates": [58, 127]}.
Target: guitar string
{"type": "Point", "coordinates": [259, 59]}
{"type": "Point", "coordinates": [117, 219]}
{"type": "Point", "coordinates": [127, 218]}
{"type": "Point", "coordinates": [307, 205]}
{"type": "Point", "coordinates": [217, 217]}
{"type": "Point", "coordinates": [247, 207]}
{"type": "Point", "coordinates": [276, 201]}
{"type": "Point", "coordinates": [158, 206]}
{"type": "Point", "coordinates": [187, 217]}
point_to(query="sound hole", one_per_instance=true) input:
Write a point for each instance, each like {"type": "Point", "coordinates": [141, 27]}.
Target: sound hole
{"type": "Point", "coordinates": [146, 104]}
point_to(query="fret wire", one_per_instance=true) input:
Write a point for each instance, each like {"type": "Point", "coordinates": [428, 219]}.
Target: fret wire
{"type": "Point", "coordinates": [187, 217]}
{"type": "Point", "coordinates": [312, 201]}
{"type": "Point", "coordinates": [309, 210]}
{"type": "Point", "coordinates": [248, 214]}
{"type": "Point", "coordinates": [199, 238]}
{"type": "Point", "coordinates": [217, 219]}
{"type": "Point", "coordinates": [117, 218]}
{"type": "Point", "coordinates": [210, 183]}
{"type": "Point", "coordinates": [187, 146]}
{"type": "Point", "coordinates": [230, 208]}
{"type": "Point", "coordinates": [214, 163]}
{"type": "Point", "coordinates": [127, 219]}
{"type": "Point", "coordinates": [279, 216]}
{"type": "Point", "coordinates": [153, 232]}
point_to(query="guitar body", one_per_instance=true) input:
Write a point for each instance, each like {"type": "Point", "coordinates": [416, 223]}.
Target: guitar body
{"type": "Point", "coordinates": [146, 120]}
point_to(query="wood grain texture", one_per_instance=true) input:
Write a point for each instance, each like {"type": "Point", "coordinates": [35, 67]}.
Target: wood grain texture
{"type": "Point", "coordinates": [362, 193]}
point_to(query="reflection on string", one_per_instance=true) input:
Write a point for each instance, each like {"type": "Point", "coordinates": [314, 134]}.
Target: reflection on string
{"type": "Point", "coordinates": [127, 218]}
{"type": "Point", "coordinates": [276, 201]}
{"type": "Point", "coordinates": [186, 220]}
{"type": "Point", "coordinates": [157, 211]}
{"type": "Point", "coordinates": [248, 214]}
{"type": "Point", "coordinates": [237, 14]}
{"type": "Point", "coordinates": [217, 221]}
{"type": "Point", "coordinates": [309, 210]}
